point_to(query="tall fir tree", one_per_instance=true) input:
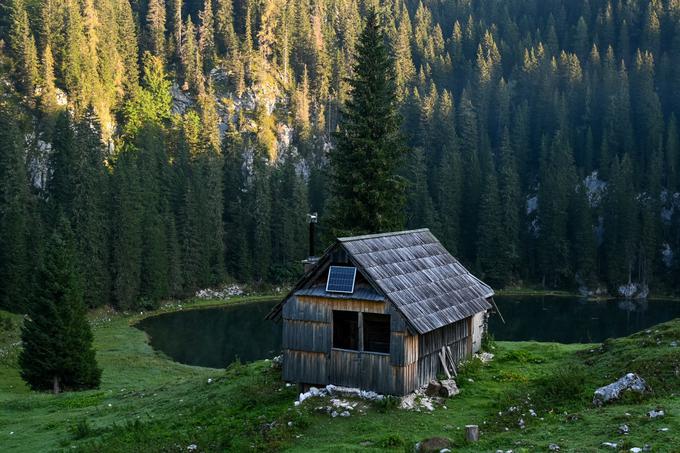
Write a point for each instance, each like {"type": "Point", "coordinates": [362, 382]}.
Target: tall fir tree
{"type": "Point", "coordinates": [367, 195]}
{"type": "Point", "coordinates": [57, 349]}
{"type": "Point", "coordinates": [14, 215]}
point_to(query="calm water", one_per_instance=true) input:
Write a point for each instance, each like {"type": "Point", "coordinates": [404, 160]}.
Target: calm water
{"type": "Point", "coordinates": [215, 337]}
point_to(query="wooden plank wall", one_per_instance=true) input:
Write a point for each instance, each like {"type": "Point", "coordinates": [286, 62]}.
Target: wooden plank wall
{"type": "Point", "coordinates": [456, 336]}
{"type": "Point", "coordinates": [303, 366]}
{"type": "Point", "coordinates": [413, 360]}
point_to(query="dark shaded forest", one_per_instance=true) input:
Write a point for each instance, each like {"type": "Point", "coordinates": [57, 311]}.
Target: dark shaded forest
{"type": "Point", "coordinates": [185, 141]}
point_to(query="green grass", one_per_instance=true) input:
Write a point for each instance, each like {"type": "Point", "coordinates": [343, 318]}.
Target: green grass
{"type": "Point", "coordinates": [149, 403]}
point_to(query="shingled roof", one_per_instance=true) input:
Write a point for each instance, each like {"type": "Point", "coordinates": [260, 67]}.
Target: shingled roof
{"type": "Point", "coordinates": [414, 271]}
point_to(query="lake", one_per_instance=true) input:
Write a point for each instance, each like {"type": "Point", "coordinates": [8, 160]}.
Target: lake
{"type": "Point", "coordinates": [215, 337]}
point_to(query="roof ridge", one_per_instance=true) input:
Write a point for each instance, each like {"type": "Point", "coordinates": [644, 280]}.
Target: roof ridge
{"type": "Point", "coordinates": [379, 235]}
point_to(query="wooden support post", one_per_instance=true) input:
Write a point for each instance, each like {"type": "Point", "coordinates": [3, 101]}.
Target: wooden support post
{"type": "Point", "coordinates": [472, 433]}
{"type": "Point", "coordinates": [442, 358]}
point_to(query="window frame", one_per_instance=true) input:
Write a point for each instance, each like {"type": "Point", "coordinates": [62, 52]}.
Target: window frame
{"type": "Point", "coordinates": [361, 345]}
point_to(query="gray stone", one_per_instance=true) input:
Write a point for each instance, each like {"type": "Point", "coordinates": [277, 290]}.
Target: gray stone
{"type": "Point", "coordinates": [554, 447]}
{"type": "Point", "coordinates": [630, 382]}
{"type": "Point", "coordinates": [610, 444]}
{"type": "Point", "coordinates": [655, 413]}
{"type": "Point", "coordinates": [624, 429]}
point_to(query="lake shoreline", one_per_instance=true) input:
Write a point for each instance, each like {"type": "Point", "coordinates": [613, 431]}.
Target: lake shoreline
{"type": "Point", "coordinates": [149, 402]}
{"type": "Point", "coordinates": [194, 303]}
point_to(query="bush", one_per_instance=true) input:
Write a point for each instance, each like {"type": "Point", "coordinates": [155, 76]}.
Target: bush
{"type": "Point", "coordinates": [488, 342]}
{"type": "Point", "coordinates": [81, 429]}
{"type": "Point", "coordinates": [390, 441]}
{"type": "Point", "coordinates": [562, 387]}
{"type": "Point", "coordinates": [522, 357]}
{"type": "Point", "coordinates": [469, 369]}
{"type": "Point", "coordinates": [387, 403]}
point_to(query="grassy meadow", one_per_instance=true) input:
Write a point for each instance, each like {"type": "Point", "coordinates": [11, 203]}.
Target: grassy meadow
{"type": "Point", "coordinates": [149, 403]}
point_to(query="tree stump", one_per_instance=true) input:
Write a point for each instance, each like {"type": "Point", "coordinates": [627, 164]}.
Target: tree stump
{"type": "Point", "coordinates": [471, 433]}
{"type": "Point", "coordinates": [448, 388]}
{"type": "Point", "coordinates": [433, 388]}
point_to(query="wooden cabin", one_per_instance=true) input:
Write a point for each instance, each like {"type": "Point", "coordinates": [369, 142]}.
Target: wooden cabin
{"type": "Point", "coordinates": [383, 312]}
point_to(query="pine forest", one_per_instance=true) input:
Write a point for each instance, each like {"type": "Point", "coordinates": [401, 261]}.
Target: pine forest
{"type": "Point", "coordinates": [181, 143]}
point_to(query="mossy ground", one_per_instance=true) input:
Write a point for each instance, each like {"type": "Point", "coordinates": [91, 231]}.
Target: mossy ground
{"type": "Point", "coordinates": [149, 403]}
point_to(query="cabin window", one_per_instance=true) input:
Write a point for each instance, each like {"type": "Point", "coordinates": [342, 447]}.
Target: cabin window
{"type": "Point", "coordinates": [346, 330]}
{"type": "Point", "coordinates": [376, 333]}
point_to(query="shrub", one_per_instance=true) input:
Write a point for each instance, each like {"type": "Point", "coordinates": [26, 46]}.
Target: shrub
{"type": "Point", "coordinates": [488, 342]}
{"type": "Point", "coordinates": [80, 429]}
{"type": "Point", "coordinates": [387, 403]}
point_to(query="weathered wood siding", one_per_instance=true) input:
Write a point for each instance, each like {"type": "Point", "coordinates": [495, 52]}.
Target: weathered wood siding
{"type": "Point", "coordinates": [456, 336]}
{"type": "Point", "coordinates": [303, 366]}
{"type": "Point", "coordinates": [412, 362]}
{"type": "Point", "coordinates": [307, 336]}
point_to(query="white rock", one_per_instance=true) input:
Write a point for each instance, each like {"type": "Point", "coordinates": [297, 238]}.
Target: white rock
{"type": "Point", "coordinates": [655, 413]}
{"type": "Point", "coordinates": [635, 450]}
{"type": "Point", "coordinates": [610, 444]}
{"type": "Point", "coordinates": [629, 382]}
{"type": "Point", "coordinates": [192, 447]}
{"type": "Point", "coordinates": [554, 447]}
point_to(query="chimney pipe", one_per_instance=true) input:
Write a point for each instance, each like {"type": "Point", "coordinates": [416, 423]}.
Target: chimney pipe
{"type": "Point", "coordinates": [312, 219]}
{"type": "Point", "coordinates": [309, 263]}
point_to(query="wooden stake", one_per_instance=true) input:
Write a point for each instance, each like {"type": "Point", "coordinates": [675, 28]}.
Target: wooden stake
{"type": "Point", "coordinates": [472, 433]}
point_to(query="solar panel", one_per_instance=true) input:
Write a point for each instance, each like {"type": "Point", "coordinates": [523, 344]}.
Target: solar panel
{"type": "Point", "coordinates": [341, 279]}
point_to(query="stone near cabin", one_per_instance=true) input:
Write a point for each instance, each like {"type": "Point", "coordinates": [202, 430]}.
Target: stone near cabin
{"type": "Point", "coordinates": [448, 388]}
{"type": "Point", "coordinates": [630, 382]}
{"type": "Point", "coordinates": [433, 444]}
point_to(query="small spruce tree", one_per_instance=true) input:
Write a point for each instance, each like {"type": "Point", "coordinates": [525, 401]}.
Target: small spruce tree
{"type": "Point", "coordinates": [57, 341]}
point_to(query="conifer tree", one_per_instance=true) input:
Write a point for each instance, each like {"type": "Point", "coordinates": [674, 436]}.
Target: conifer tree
{"type": "Point", "coordinates": [126, 231]}
{"type": "Point", "coordinates": [14, 215]}
{"type": "Point", "coordinates": [469, 147]}
{"type": "Point", "coordinates": [367, 194]}
{"type": "Point", "coordinates": [557, 182]}
{"type": "Point", "coordinates": [155, 23]}
{"type": "Point", "coordinates": [237, 257]}
{"type": "Point", "coordinates": [23, 47]}
{"type": "Point", "coordinates": [510, 210]}
{"type": "Point", "coordinates": [620, 223]}
{"type": "Point", "coordinates": [419, 206]}
{"type": "Point", "coordinates": [56, 336]}
{"type": "Point", "coordinates": [582, 238]}
{"type": "Point", "coordinates": [490, 234]}
{"type": "Point", "coordinates": [225, 36]}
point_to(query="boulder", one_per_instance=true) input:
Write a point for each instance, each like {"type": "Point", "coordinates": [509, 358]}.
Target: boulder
{"type": "Point", "coordinates": [655, 413]}
{"type": "Point", "coordinates": [433, 444]}
{"type": "Point", "coordinates": [448, 388]}
{"type": "Point", "coordinates": [630, 382]}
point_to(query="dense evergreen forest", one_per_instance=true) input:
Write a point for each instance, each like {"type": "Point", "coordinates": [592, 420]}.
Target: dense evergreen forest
{"type": "Point", "coordinates": [185, 141]}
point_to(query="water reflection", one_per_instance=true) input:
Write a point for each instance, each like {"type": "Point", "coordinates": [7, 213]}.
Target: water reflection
{"type": "Point", "coordinates": [217, 336]}
{"type": "Point", "coordinates": [574, 320]}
